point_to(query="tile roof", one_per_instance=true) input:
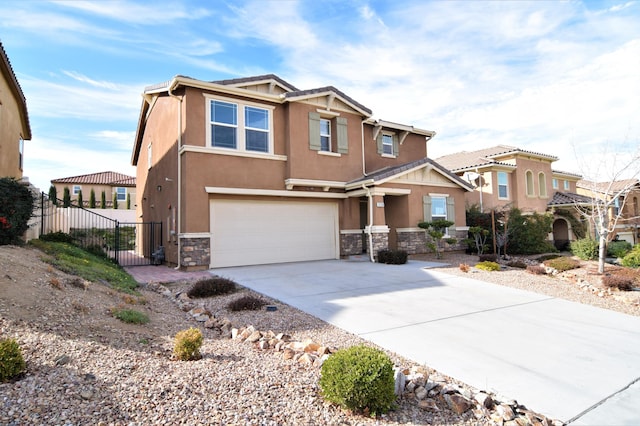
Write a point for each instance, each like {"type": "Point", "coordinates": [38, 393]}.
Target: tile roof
{"type": "Point", "coordinates": [484, 157]}
{"type": "Point", "coordinates": [568, 199]}
{"type": "Point", "coordinates": [102, 178]}
{"type": "Point", "coordinates": [14, 85]}
{"type": "Point", "coordinates": [392, 171]}
{"type": "Point", "coordinates": [615, 186]}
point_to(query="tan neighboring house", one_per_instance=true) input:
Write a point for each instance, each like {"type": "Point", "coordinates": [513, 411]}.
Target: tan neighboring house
{"type": "Point", "coordinates": [626, 205]}
{"type": "Point", "coordinates": [255, 171]}
{"type": "Point", "coordinates": [111, 183]}
{"type": "Point", "coordinates": [14, 121]}
{"type": "Point", "coordinates": [506, 176]}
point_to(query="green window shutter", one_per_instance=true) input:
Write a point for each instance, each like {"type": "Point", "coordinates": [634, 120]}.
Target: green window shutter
{"type": "Point", "coordinates": [451, 214]}
{"type": "Point", "coordinates": [379, 142]}
{"type": "Point", "coordinates": [343, 142]}
{"type": "Point", "coordinates": [426, 205]}
{"type": "Point", "coordinates": [396, 145]}
{"type": "Point", "coordinates": [314, 131]}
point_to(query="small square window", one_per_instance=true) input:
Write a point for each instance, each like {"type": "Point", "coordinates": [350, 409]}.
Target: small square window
{"type": "Point", "coordinates": [76, 189]}
{"type": "Point", "coordinates": [122, 193]}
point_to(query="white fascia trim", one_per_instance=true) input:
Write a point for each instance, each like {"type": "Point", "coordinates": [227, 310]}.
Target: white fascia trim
{"type": "Point", "coordinates": [327, 112]}
{"type": "Point", "coordinates": [271, 192]}
{"type": "Point", "coordinates": [380, 191]}
{"type": "Point", "coordinates": [462, 228]}
{"type": "Point", "coordinates": [350, 231]}
{"type": "Point", "coordinates": [195, 235]}
{"type": "Point", "coordinates": [400, 230]}
{"type": "Point", "coordinates": [406, 128]}
{"type": "Point", "coordinates": [220, 88]}
{"type": "Point", "coordinates": [324, 184]}
{"type": "Point", "coordinates": [411, 170]}
{"type": "Point", "coordinates": [232, 152]}
{"type": "Point", "coordinates": [376, 229]}
{"type": "Point", "coordinates": [328, 93]}
{"type": "Point", "coordinates": [359, 184]}
{"type": "Point", "coordinates": [437, 194]}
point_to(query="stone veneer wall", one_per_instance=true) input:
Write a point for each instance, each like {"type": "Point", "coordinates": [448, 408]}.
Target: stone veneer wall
{"type": "Point", "coordinates": [380, 242]}
{"type": "Point", "coordinates": [350, 243]}
{"type": "Point", "coordinates": [195, 253]}
{"type": "Point", "coordinates": [415, 242]}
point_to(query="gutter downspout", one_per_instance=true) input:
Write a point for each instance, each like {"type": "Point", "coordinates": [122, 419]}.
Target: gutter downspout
{"type": "Point", "coordinates": [480, 185]}
{"type": "Point", "coordinates": [179, 179]}
{"type": "Point", "coordinates": [364, 171]}
{"type": "Point", "coordinates": [370, 204]}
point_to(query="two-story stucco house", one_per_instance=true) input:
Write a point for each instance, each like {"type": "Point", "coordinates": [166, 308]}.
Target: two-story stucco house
{"type": "Point", "coordinates": [506, 176]}
{"type": "Point", "coordinates": [14, 121]}
{"type": "Point", "coordinates": [115, 185]}
{"type": "Point", "coordinates": [254, 171]}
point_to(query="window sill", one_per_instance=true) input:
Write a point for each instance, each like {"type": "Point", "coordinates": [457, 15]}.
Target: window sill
{"type": "Point", "coordinates": [389, 156]}
{"type": "Point", "coordinates": [330, 153]}
{"type": "Point", "coordinates": [232, 152]}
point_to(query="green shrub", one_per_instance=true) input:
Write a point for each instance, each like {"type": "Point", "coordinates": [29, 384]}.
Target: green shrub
{"type": "Point", "coordinates": [12, 363]}
{"type": "Point", "coordinates": [246, 303]}
{"type": "Point", "coordinates": [16, 206]}
{"type": "Point", "coordinates": [517, 264]}
{"type": "Point", "coordinates": [528, 233]}
{"type": "Point", "coordinates": [57, 237]}
{"type": "Point", "coordinates": [214, 286]}
{"type": "Point", "coordinates": [585, 249]}
{"type": "Point", "coordinates": [632, 259]}
{"type": "Point", "coordinates": [488, 266]}
{"type": "Point", "coordinates": [53, 195]}
{"type": "Point", "coordinates": [563, 263]}
{"type": "Point", "coordinates": [619, 282]}
{"type": "Point", "coordinates": [103, 200]}
{"type": "Point", "coordinates": [92, 199]}
{"type": "Point", "coordinates": [392, 257]}
{"type": "Point", "coordinates": [619, 248]}
{"type": "Point", "coordinates": [536, 270]}
{"type": "Point", "coordinates": [130, 316]}
{"type": "Point", "coordinates": [187, 344]}
{"type": "Point", "coordinates": [359, 378]}
{"type": "Point", "coordinates": [66, 197]}
{"type": "Point", "coordinates": [545, 257]}
{"type": "Point", "coordinates": [487, 257]}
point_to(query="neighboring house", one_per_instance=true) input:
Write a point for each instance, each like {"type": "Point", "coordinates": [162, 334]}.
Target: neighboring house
{"type": "Point", "coordinates": [123, 186]}
{"type": "Point", "coordinates": [626, 205]}
{"type": "Point", "coordinates": [506, 176]}
{"type": "Point", "coordinates": [14, 121]}
{"type": "Point", "coordinates": [254, 170]}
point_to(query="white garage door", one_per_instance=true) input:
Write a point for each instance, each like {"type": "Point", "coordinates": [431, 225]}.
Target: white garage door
{"type": "Point", "coordinates": [260, 232]}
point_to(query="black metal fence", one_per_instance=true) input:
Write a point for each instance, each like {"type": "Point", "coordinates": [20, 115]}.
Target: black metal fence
{"type": "Point", "coordinates": [127, 243]}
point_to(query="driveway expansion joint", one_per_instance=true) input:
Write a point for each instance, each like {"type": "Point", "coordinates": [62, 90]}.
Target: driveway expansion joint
{"type": "Point", "coordinates": [602, 401]}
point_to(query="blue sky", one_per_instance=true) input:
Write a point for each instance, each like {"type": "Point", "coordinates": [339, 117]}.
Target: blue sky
{"type": "Point", "coordinates": [555, 77]}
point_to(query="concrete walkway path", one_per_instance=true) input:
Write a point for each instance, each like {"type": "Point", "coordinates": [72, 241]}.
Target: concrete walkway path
{"type": "Point", "coordinates": [568, 361]}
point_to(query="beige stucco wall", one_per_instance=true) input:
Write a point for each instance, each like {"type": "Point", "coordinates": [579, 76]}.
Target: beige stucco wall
{"type": "Point", "coordinates": [86, 193]}
{"type": "Point", "coordinates": [10, 132]}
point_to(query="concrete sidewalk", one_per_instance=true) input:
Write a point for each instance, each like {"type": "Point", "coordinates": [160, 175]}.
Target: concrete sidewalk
{"type": "Point", "coordinates": [565, 360]}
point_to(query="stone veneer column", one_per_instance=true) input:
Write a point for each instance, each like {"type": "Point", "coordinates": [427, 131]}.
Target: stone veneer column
{"type": "Point", "coordinates": [350, 242]}
{"type": "Point", "coordinates": [379, 238]}
{"type": "Point", "coordinates": [412, 240]}
{"type": "Point", "coordinates": [195, 253]}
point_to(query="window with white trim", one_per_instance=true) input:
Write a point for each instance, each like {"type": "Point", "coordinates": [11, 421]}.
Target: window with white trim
{"type": "Point", "coordinates": [438, 208]}
{"type": "Point", "coordinates": [387, 144]}
{"type": "Point", "coordinates": [121, 193]}
{"type": "Point", "coordinates": [566, 185]}
{"type": "Point", "coordinates": [503, 185]}
{"type": "Point", "coordinates": [325, 135]}
{"type": "Point", "coordinates": [554, 183]}
{"type": "Point", "coordinates": [239, 126]}
{"type": "Point", "coordinates": [76, 189]}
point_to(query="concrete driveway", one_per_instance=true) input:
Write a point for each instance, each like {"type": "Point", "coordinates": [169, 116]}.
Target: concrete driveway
{"type": "Point", "coordinates": [568, 361]}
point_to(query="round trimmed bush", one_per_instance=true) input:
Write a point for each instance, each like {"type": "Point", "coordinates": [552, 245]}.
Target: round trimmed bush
{"type": "Point", "coordinates": [12, 363]}
{"type": "Point", "coordinates": [585, 249]}
{"type": "Point", "coordinates": [359, 378]}
{"type": "Point", "coordinates": [488, 266]}
{"type": "Point", "coordinates": [187, 344]}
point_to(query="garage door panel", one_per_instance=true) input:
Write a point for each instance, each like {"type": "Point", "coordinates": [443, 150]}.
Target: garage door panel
{"type": "Point", "coordinates": [259, 232]}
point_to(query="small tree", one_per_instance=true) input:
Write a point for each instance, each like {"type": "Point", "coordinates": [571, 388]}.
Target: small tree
{"type": "Point", "coordinates": [53, 195]}
{"type": "Point", "coordinates": [436, 230]}
{"type": "Point", "coordinates": [80, 200]}
{"type": "Point", "coordinates": [66, 197]}
{"type": "Point", "coordinates": [16, 207]}
{"type": "Point", "coordinates": [115, 200]}
{"type": "Point", "coordinates": [479, 237]}
{"type": "Point", "coordinates": [103, 200]}
{"type": "Point", "coordinates": [528, 234]}
{"type": "Point", "coordinates": [92, 199]}
{"type": "Point", "coordinates": [128, 201]}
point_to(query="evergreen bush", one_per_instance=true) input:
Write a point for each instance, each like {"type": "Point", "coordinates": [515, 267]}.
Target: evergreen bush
{"type": "Point", "coordinates": [246, 303]}
{"type": "Point", "coordinates": [632, 259]}
{"type": "Point", "coordinates": [53, 195]}
{"type": "Point", "coordinates": [359, 378]}
{"type": "Point", "coordinates": [585, 249]}
{"type": "Point", "coordinates": [392, 257]}
{"type": "Point", "coordinates": [528, 234]}
{"type": "Point", "coordinates": [16, 206]}
{"type": "Point", "coordinates": [80, 200]}
{"type": "Point", "coordinates": [619, 248]}
{"type": "Point", "coordinates": [92, 199]}
{"type": "Point", "coordinates": [187, 344]}
{"type": "Point", "coordinates": [103, 200]}
{"type": "Point", "coordinates": [66, 197]}
{"type": "Point", "coordinates": [11, 361]}
{"type": "Point", "coordinates": [562, 263]}
{"type": "Point", "coordinates": [115, 200]}
{"type": "Point", "coordinates": [214, 286]}
{"type": "Point", "coordinates": [488, 266]}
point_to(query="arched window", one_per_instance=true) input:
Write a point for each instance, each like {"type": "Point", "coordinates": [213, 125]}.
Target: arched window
{"type": "Point", "coordinates": [542, 184]}
{"type": "Point", "coordinates": [529, 182]}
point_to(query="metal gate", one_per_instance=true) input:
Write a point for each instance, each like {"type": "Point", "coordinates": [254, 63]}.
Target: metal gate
{"type": "Point", "coordinates": [138, 243]}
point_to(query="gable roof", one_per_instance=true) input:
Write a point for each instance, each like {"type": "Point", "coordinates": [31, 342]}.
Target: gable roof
{"type": "Point", "coordinates": [266, 78]}
{"type": "Point", "coordinates": [7, 72]}
{"type": "Point", "coordinates": [101, 178]}
{"type": "Point", "coordinates": [486, 157]}
{"type": "Point", "coordinates": [611, 186]}
{"type": "Point", "coordinates": [388, 173]}
{"type": "Point", "coordinates": [328, 90]}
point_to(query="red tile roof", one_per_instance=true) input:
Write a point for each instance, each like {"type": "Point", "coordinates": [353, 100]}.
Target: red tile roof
{"type": "Point", "coordinates": [102, 178]}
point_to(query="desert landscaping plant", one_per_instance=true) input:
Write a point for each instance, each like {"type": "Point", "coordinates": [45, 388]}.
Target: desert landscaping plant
{"type": "Point", "coordinates": [214, 286]}
{"type": "Point", "coordinates": [479, 237]}
{"type": "Point", "coordinates": [619, 282]}
{"type": "Point", "coordinates": [187, 344]}
{"type": "Point", "coordinates": [437, 231]}
{"type": "Point", "coordinates": [392, 257]}
{"type": "Point", "coordinates": [585, 248]}
{"type": "Point", "coordinates": [618, 248]}
{"type": "Point", "coordinates": [92, 199]}
{"type": "Point", "coordinates": [488, 266]}
{"type": "Point", "coordinates": [632, 259]}
{"type": "Point", "coordinates": [359, 378]}
{"type": "Point", "coordinates": [536, 270]}
{"type": "Point", "coordinates": [12, 363]}
{"type": "Point", "coordinates": [562, 263]}
{"type": "Point", "coordinates": [130, 316]}
{"type": "Point", "coordinates": [246, 303]}
{"type": "Point", "coordinates": [15, 210]}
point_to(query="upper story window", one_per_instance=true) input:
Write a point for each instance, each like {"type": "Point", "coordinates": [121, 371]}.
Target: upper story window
{"type": "Point", "coordinates": [239, 126]}
{"type": "Point", "coordinates": [529, 182]}
{"type": "Point", "coordinates": [542, 184]}
{"type": "Point", "coordinates": [554, 183]}
{"type": "Point", "coordinates": [121, 193]}
{"type": "Point", "coordinates": [387, 144]}
{"type": "Point", "coordinates": [325, 135]}
{"type": "Point", "coordinates": [21, 153]}
{"type": "Point", "coordinates": [566, 185]}
{"type": "Point", "coordinates": [328, 135]}
{"type": "Point", "coordinates": [76, 189]}
{"type": "Point", "coordinates": [503, 185]}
